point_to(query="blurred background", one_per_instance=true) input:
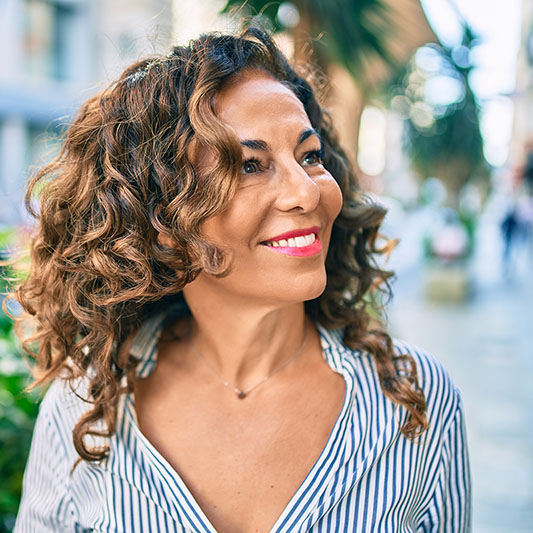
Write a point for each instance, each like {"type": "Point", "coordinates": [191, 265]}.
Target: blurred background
{"type": "Point", "coordinates": [433, 100]}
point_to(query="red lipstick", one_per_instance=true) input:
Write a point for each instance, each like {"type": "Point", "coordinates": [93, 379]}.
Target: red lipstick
{"type": "Point", "coordinates": [295, 233]}
{"type": "Point", "coordinates": [300, 250]}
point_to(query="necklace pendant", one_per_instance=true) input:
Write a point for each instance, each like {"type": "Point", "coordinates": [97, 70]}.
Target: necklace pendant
{"type": "Point", "coordinates": [241, 394]}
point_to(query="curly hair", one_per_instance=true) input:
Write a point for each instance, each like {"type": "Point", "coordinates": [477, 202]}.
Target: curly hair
{"type": "Point", "coordinates": [125, 175]}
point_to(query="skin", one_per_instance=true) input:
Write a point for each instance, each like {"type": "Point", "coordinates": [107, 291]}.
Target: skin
{"type": "Point", "coordinates": [243, 460]}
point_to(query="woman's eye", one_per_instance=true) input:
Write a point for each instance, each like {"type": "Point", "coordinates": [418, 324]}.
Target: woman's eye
{"type": "Point", "coordinates": [251, 166]}
{"type": "Point", "coordinates": [313, 158]}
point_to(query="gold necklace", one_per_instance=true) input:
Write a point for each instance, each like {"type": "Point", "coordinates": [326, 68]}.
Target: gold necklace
{"type": "Point", "coordinates": [241, 394]}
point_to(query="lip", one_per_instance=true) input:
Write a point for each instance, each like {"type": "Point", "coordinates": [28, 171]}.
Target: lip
{"type": "Point", "coordinates": [305, 251]}
{"type": "Point", "coordinates": [295, 233]}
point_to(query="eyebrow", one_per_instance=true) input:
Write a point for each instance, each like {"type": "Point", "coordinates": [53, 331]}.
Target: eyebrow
{"type": "Point", "coordinates": [263, 146]}
{"type": "Point", "coordinates": [307, 133]}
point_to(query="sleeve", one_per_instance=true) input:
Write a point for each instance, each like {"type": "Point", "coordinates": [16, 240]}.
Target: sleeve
{"type": "Point", "coordinates": [450, 508]}
{"type": "Point", "coordinates": [45, 505]}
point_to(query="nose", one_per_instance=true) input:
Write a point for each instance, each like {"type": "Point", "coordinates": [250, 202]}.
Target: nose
{"type": "Point", "coordinates": [297, 191]}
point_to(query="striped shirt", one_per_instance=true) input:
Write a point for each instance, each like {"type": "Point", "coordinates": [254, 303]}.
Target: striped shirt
{"type": "Point", "coordinates": [368, 478]}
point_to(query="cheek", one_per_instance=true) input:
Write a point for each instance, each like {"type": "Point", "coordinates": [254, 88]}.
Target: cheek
{"type": "Point", "coordinates": [236, 227]}
{"type": "Point", "coordinates": [331, 197]}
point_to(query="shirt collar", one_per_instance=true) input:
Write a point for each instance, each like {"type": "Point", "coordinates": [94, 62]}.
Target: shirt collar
{"type": "Point", "coordinates": [334, 349]}
{"type": "Point", "coordinates": [144, 346]}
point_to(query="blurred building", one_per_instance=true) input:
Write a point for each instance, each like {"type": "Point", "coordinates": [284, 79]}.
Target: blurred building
{"type": "Point", "coordinates": [375, 144]}
{"type": "Point", "coordinates": [522, 137]}
{"type": "Point", "coordinates": [55, 53]}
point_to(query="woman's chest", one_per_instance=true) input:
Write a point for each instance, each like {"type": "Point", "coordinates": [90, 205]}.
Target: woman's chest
{"type": "Point", "coordinates": [140, 489]}
{"type": "Point", "coordinates": [243, 460]}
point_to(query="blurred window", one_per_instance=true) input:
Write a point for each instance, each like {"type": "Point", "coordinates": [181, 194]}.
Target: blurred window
{"type": "Point", "coordinates": [48, 27]}
{"type": "Point", "coordinates": [42, 145]}
{"type": "Point", "coordinates": [39, 38]}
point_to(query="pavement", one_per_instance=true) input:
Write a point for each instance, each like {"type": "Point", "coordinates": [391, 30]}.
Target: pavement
{"type": "Point", "coordinates": [485, 343]}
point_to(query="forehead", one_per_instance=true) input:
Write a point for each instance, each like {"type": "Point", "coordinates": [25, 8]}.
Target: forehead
{"type": "Point", "coordinates": [256, 103]}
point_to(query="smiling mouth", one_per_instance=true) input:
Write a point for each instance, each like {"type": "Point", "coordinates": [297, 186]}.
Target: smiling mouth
{"type": "Point", "coordinates": [294, 242]}
{"type": "Point", "coordinates": [300, 246]}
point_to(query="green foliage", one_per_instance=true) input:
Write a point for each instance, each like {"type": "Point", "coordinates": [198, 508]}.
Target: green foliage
{"type": "Point", "coordinates": [17, 416]}
{"type": "Point", "coordinates": [348, 32]}
{"type": "Point", "coordinates": [442, 138]}
{"type": "Point", "coordinates": [18, 411]}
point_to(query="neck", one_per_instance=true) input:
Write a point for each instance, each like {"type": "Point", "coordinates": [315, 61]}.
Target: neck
{"type": "Point", "coordinates": [243, 341]}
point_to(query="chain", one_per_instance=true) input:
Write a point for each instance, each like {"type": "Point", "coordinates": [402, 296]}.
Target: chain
{"type": "Point", "coordinates": [242, 393]}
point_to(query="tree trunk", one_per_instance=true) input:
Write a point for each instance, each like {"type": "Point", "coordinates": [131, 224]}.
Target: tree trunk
{"type": "Point", "coordinates": [344, 100]}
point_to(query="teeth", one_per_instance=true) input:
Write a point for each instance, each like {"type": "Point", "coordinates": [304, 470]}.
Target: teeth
{"type": "Point", "coordinates": [309, 239]}
{"type": "Point", "coordinates": [294, 242]}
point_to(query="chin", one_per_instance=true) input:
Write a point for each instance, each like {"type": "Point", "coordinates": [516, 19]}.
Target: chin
{"type": "Point", "coordinates": [306, 289]}
{"type": "Point", "coordinates": [315, 294]}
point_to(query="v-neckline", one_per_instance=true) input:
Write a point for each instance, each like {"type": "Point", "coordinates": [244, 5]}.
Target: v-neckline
{"type": "Point", "coordinates": [321, 467]}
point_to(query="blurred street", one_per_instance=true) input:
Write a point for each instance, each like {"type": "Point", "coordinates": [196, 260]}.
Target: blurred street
{"type": "Point", "coordinates": [485, 345]}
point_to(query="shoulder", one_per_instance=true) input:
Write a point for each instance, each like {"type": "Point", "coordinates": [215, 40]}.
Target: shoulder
{"type": "Point", "coordinates": [442, 397]}
{"type": "Point", "coordinates": [66, 395]}
{"type": "Point", "coordinates": [62, 406]}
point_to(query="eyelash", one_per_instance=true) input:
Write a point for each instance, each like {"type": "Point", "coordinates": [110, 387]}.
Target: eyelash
{"type": "Point", "coordinates": [318, 154]}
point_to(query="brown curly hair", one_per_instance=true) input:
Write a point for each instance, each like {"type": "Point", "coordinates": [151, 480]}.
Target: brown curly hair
{"type": "Point", "coordinates": [125, 176]}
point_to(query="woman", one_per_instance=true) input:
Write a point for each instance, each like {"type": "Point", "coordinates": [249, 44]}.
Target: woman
{"type": "Point", "coordinates": [200, 283]}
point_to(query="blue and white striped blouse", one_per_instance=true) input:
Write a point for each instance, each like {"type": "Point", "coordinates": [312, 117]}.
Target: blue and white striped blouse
{"type": "Point", "coordinates": [368, 478]}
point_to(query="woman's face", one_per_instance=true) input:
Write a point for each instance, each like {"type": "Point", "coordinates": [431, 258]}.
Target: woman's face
{"type": "Point", "coordinates": [277, 226]}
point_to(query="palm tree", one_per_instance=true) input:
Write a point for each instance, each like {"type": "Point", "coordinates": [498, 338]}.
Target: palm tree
{"type": "Point", "coordinates": [443, 140]}
{"type": "Point", "coordinates": [348, 33]}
